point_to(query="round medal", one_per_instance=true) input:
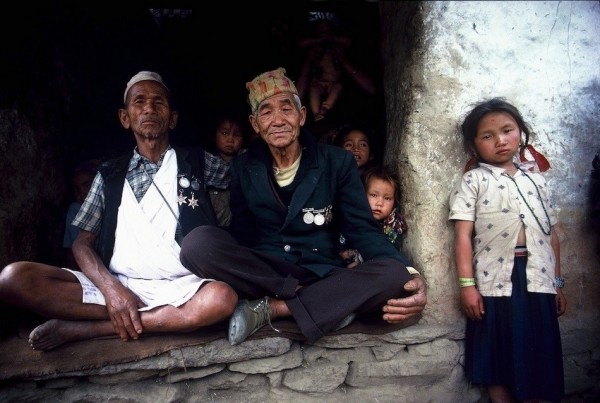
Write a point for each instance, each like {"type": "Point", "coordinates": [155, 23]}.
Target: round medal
{"type": "Point", "coordinates": [184, 182]}
{"type": "Point", "coordinates": [308, 217]}
{"type": "Point", "coordinates": [319, 219]}
{"type": "Point", "coordinates": [195, 185]}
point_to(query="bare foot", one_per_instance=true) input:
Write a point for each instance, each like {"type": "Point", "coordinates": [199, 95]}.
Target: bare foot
{"type": "Point", "coordinates": [55, 332]}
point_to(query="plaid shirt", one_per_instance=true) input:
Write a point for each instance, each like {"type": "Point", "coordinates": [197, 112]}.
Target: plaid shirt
{"type": "Point", "coordinates": [89, 217]}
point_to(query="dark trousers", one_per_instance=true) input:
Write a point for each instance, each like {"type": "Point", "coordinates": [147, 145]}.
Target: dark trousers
{"type": "Point", "coordinates": [318, 305]}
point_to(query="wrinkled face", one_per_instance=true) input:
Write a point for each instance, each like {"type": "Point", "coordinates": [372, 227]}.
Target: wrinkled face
{"type": "Point", "coordinates": [278, 121]}
{"type": "Point", "coordinates": [228, 138]}
{"type": "Point", "coordinates": [358, 143]}
{"type": "Point", "coordinates": [381, 195]}
{"type": "Point", "coordinates": [148, 111]}
{"type": "Point", "coordinates": [498, 139]}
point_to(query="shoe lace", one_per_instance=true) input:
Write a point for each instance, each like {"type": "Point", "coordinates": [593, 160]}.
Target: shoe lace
{"type": "Point", "coordinates": [263, 311]}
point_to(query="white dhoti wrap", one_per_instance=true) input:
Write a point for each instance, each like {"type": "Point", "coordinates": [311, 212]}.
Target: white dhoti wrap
{"type": "Point", "coordinates": [146, 257]}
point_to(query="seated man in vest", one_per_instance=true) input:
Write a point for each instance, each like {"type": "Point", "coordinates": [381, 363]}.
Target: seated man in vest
{"type": "Point", "coordinates": [139, 208]}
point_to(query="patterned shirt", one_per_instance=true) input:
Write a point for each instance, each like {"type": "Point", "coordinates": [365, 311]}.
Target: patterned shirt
{"type": "Point", "coordinates": [499, 206]}
{"type": "Point", "coordinates": [89, 218]}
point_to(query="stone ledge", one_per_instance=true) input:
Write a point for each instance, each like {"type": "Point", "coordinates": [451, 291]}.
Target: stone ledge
{"type": "Point", "coordinates": [350, 367]}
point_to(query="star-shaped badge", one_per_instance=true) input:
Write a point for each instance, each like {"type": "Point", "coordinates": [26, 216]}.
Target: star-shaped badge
{"type": "Point", "coordinates": [193, 202]}
{"type": "Point", "coordinates": [181, 199]}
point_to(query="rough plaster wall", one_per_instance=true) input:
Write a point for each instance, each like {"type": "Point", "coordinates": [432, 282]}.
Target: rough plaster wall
{"type": "Point", "coordinates": [542, 56]}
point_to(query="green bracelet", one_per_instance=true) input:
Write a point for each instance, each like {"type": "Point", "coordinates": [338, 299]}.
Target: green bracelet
{"type": "Point", "coordinates": [466, 281]}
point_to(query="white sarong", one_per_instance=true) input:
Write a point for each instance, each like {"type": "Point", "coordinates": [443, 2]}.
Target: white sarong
{"type": "Point", "coordinates": [146, 257]}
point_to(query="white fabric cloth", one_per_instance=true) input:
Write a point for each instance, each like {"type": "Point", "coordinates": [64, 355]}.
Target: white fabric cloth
{"type": "Point", "coordinates": [488, 197]}
{"type": "Point", "coordinates": [146, 256]}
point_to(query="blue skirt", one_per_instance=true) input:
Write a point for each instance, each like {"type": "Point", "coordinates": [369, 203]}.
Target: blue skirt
{"type": "Point", "coordinates": [517, 343]}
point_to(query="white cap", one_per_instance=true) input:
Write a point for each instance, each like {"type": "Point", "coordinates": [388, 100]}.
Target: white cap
{"type": "Point", "coordinates": [143, 76]}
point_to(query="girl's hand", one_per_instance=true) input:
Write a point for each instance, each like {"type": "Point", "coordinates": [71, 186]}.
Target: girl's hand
{"type": "Point", "coordinates": [472, 303]}
{"type": "Point", "coordinates": [561, 302]}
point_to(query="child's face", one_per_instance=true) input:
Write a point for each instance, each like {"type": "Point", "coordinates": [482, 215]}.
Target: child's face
{"type": "Point", "coordinates": [498, 138]}
{"type": "Point", "coordinates": [381, 197]}
{"type": "Point", "coordinates": [228, 138]}
{"type": "Point", "coordinates": [358, 143]}
{"type": "Point", "coordinates": [82, 182]}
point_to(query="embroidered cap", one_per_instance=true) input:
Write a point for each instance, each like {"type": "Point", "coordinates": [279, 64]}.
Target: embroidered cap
{"type": "Point", "coordinates": [143, 76]}
{"type": "Point", "coordinates": [268, 84]}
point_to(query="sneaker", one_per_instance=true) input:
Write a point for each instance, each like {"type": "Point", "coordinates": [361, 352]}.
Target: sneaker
{"type": "Point", "coordinates": [248, 317]}
{"type": "Point", "coordinates": [345, 322]}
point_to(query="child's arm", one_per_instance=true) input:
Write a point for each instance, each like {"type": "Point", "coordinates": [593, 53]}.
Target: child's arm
{"type": "Point", "coordinates": [470, 299]}
{"type": "Point", "coordinates": [561, 302]}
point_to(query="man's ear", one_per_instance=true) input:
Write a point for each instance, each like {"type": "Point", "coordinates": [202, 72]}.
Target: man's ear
{"type": "Point", "coordinates": [173, 119]}
{"type": "Point", "coordinates": [302, 116]}
{"type": "Point", "coordinates": [254, 124]}
{"type": "Point", "coordinates": [124, 119]}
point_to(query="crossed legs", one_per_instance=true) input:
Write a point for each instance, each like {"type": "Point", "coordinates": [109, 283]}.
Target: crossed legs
{"type": "Point", "coordinates": [57, 294]}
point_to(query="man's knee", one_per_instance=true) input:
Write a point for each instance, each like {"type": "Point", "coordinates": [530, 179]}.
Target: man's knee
{"type": "Point", "coordinates": [12, 272]}
{"type": "Point", "coordinates": [219, 300]}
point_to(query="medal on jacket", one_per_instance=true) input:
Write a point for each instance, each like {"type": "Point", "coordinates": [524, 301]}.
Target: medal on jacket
{"type": "Point", "coordinates": [193, 202]}
{"type": "Point", "coordinates": [317, 216]}
{"type": "Point", "coordinates": [184, 182]}
{"type": "Point", "coordinates": [181, 198]}
{"type": "Point", "coordinates": [319, 219]}
{"type": "Point", "coordinates": [308, 217]}
{"type": "Point", "coordinates": [195, 183]}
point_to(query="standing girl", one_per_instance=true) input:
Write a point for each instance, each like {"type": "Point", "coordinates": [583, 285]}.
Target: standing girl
{"type": "Point", "coordinates": [508, 261]}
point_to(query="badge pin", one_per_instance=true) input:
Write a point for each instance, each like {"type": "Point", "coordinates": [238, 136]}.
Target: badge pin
{"type": "Point", "coordinates": [184, 182]}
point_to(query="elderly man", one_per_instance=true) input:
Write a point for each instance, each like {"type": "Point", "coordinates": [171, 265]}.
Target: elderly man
{"type": "Point", "coordinates": [291, 198]}
{"type": "Point", "coordinates": [139, 207]}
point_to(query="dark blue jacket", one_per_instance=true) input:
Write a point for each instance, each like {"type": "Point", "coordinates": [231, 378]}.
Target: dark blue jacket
{"type": "Point", "coordinates": [328, 184]}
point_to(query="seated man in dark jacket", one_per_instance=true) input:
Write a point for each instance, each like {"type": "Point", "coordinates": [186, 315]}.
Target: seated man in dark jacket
{"type": "Point", "coordinates": [291, 198]}
{"type": "Point", "coordinates": [137, 211]}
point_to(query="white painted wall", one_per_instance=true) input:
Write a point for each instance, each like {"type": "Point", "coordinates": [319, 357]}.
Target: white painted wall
{"type": "Point", "coordinates": [544, 57]}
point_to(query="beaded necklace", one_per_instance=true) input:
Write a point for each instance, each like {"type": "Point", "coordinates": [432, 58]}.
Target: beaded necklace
{"type": "Point", "coordinates": [527, 204]}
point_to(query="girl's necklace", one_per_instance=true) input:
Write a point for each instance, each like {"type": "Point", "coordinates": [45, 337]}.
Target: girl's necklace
{"type": "Point", "coordinates": [529, 207]}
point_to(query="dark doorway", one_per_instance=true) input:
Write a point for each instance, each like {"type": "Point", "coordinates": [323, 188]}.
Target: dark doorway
{"type": "Point", "coordinates": [67, 65]}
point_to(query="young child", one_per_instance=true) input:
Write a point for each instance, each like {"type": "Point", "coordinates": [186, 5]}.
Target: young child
{"type": "Point", "coordinates": [382, 188]}
{"type": "Point", "coordinates": [81, 180]}
{"type": "Point", "coordinates": [228, 137]}
{"type": "Point", "coordinates": [508, 261]}
{"type": "Point", "coordinates": [357, 140]}
{"type": "Point", "coordinates": [228, 142]}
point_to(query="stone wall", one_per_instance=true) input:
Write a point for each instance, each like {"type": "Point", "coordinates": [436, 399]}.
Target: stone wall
{"type": "Point", "coordinates": [440, 57]}
{"type": "Point", "coordinates": [397, 367]}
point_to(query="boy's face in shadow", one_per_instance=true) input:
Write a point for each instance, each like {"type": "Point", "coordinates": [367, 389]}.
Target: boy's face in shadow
{"type": "Point", "coordinates": [82, 182]}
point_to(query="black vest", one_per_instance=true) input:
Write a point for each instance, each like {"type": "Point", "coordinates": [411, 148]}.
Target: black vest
{"type": "Point", "coordinates": [190, 163]}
